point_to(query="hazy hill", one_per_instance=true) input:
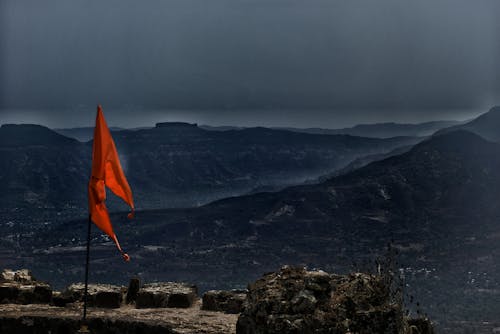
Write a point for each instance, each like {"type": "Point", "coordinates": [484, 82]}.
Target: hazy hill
{"type": "Point", "coordinates": [365, 160]}
{"type": "Point", "coordinates": [376, 130]}
{"type": "Point", "coordinates": [173, 164]}
{"type": "Point", "coordinates": [383, 130]}
{"type": "Point", "coordinates": [82, 134]}
{"type": "Point", "coordinates": [19, 135]}
{"type": "Point", "coordinates": [40, 168]}
{"type": "Point", "coordinates": [486, 125]}
{"type": "Point", "coordinates": [186, 162]}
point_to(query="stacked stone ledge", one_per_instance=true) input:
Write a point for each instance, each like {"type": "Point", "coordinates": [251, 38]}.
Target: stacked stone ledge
{"type": "Point", "coordinates": [99, 295]}
{"type": "Point", "coordinates": [20, 287]}
{"type": "Point", "coordinates": [154, 295]}
{"type": "Point", "coordinates": [166, 294]}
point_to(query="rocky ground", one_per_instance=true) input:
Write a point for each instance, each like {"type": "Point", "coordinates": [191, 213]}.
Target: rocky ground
{"type": "Point", "coordinates": [290, 301]}
{"type": "Point", "coordinates": [127, 319]}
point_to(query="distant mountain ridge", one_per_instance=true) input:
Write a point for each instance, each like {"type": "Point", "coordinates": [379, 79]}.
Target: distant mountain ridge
{"type": "Point", "coordinates": [235, 161]}
{"type": "Point", "coordinates": [41, 168]}
{"type": "Point", "coordinates": [486, 125]}
{"type": "Point", "coordinates": [82, 134]}
{"type": "Point", "coordinates": [383, 130]}
{"type": "Point", "coordinates": [375, 130]}
{"type": "Point", "coordinates": [14, 135]}
{"type": "Point", "coordinates": [173, 164]}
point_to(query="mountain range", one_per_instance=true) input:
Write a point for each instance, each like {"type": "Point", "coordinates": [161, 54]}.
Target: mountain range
{"type": "Point", "coordinates": [376, 130]}
{"type": "Point", "coordinates": [436, 205]}
{"type": "Point", "coordinates": [82, 134]}
{"type": "Point", "coordinates": [486, 125]}
{"type": "Point", "coordinates": [433, 207]}
{"type": "Point", "coordinates": [173, 164]}
{"type": "Point", "coordinates": [383, 130]}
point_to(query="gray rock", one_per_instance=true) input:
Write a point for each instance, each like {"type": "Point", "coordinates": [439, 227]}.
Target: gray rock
{"type": "Point", "coordinates": [294, 300]}
{"type": "Point", "coordinates": [99, 295]}
{"type": "Point", "coordinates": [40, 293]}
{"type": "Point", "coordinates": [8, 293]}
{"type": "Point", "coordinates": [133, 290]}
{"type": "Point", "coordinates": [151, 299]}
{"type": "Point", "coordinates": [224, 301]}
{"type": "Point", "coordinates": [58, 299]}
{"type": "Point", "coordinates": [420, 326]}
{"type": "Point", "coordinates": [166, 294]}
{"type": "Point", "coordinates": [108, 299]}
{"type": "Point", "coordinates": [20, 293]}
{"type": "Point", "coordinates": [181, 300]}
{"type": "Point", "coordinates": [304, 302]}
{"type": "Point", "coordinates": [21, 276]}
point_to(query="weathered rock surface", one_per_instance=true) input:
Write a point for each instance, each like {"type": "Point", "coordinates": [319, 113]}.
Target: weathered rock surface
{"type": "Point", "coordinates": [224, 301]}
{"type": "Point", "coordinates": [21, 276]}
{"type": "Point", "coordinates": [420, 326]}
{"type": "Point", "coordinates": [20, 287]}
{"type": "Point", "coordinates": [59, 300]}
{"type": "Point", "coordinates": [43, 319]}
{"type": "Point", "coordinates": [99, 295]}
{"type": "Point", "coordinates": [294, 300]}
{"type": "Point", "coordinates": [166, 294]}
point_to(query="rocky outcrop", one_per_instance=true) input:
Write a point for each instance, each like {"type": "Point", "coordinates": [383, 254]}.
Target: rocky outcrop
{"type": "Point", "coordinates": [21, 276]}
{"type": "Point", "coordinates": [294, 300]}
{"type": "Point", "coordinates": [166, 294]}
{"type": "Point", "coordinates": [224, 301]}
{"type": "Point", "coordinates": [20, 287]}
{"type": "Point", "coordinates": [19, 293]}
{"type": "Point", "coordinates": [99, 295]}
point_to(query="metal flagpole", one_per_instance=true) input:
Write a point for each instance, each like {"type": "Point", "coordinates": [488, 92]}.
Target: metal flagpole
{"type": "Point", "coordinates": [84, 328]}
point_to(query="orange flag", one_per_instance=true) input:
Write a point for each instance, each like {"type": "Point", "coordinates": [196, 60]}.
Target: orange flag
{"type": "Point", "coordinates": [106, 172]}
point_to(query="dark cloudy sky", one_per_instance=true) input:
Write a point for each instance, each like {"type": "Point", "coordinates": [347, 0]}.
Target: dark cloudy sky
{"type": "Point", "coordinates": [250, 62]}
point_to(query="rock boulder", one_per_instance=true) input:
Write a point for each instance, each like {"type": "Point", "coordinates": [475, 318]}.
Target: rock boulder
{"type": "Point", "coordinates": [21, 276]}
{"type": "Point", "coordinates": [295, 300]}
{"type": "Point", "coordinates": [224, 301]}
{"type": "Point", "coordinates": [420, 326]}
{"type": "Point", "coordinates": [20, 287]}
{"type": "Point", "coordinates": [166, 294]}
{"type": "Point", "coordinates": [99, 295]}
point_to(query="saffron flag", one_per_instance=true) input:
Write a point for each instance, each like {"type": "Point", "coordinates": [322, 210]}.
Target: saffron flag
{"type": "Point", "coordinates": [106, 172]}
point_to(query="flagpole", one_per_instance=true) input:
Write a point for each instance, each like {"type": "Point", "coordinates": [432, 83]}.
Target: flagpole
{"type": "Point", "coordinates": [85, 295]}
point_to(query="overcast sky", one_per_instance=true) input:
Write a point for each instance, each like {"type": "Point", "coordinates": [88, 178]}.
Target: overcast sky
{"type": "Point", "coordinates": [248, 62]}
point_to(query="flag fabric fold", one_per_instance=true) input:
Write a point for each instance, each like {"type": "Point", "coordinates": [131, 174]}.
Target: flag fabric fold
{"type": "Point", "coordinates": [106, 172]}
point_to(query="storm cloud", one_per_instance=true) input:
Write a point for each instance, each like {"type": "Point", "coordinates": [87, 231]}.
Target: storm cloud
{"type": "Point", "coordinates": [273, 62]}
